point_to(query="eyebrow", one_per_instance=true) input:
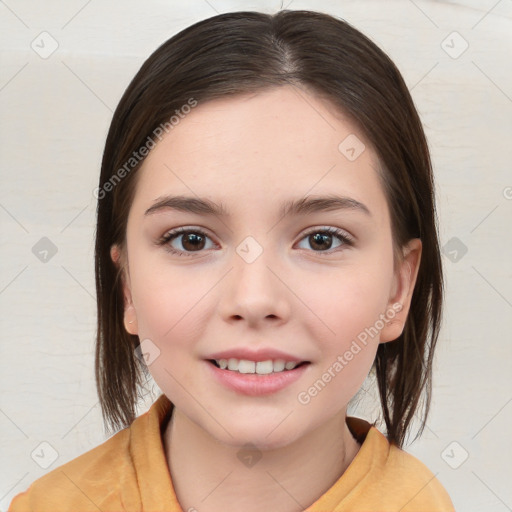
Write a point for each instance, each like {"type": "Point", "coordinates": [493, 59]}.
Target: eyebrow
{"type": "Point", "coordinates": [303, 206]}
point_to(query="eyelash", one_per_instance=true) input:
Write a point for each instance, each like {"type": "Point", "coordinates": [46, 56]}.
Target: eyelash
{"type": "Point", "coordinates": [346, 239]}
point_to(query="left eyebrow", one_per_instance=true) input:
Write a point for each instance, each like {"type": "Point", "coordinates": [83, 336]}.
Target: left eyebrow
{"type": "Point", "coordinates": [312, 204]}
{"type": "Point", "coordinates": [303, 206]}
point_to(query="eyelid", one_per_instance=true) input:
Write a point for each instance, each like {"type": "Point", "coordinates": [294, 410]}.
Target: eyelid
{"type": "Point", "coordinates": [342, 233]}
{"type": "Point", "coordinates": [171, 234]}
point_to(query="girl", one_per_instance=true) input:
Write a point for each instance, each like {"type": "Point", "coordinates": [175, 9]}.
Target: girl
{"type": "Point", "coordinates": [266, 236]}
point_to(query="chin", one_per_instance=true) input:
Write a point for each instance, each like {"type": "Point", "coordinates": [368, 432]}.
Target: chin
{"type": "Point", "coordinates": [263, 435]}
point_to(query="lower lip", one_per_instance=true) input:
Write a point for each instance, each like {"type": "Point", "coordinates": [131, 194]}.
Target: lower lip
{"type": "Point", "coordinates": [256, 385]}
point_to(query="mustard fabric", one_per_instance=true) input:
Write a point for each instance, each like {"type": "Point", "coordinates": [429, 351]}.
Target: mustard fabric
{"type": "Point", "coordinates": [129, 472]}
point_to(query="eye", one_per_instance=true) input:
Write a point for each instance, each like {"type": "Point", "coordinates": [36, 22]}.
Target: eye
{"type": "Point", "coordinates": [188, 240]}
{"type": "Point", "coordinates": [322, 238]}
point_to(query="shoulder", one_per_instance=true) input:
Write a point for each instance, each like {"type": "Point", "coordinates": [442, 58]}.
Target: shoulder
{"type": "Point", "coordinates": [415, 485]}
{"type": "Point", "coordinates": [91, 481]}
{"type": "Point", "coordinates": [119, 474]}
{"type": "Point", "coordinates": [391, 477]}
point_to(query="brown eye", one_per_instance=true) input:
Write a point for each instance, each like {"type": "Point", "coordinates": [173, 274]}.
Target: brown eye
{"type": "Point", "coordinates": [321, 240]}
{"type": "Point", "coordinates": [192, 241]}
{"type": "Point", "coordinates": [183, 241]}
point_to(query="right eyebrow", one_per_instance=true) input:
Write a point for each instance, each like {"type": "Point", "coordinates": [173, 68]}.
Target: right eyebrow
{"type": "Point", "coordinates": [201, 206]}
{"type": "Point", "coordinates": [303, 206]}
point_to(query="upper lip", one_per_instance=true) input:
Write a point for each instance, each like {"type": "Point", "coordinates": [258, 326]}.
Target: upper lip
{"type": "Point", "coordinates": [262, 354]}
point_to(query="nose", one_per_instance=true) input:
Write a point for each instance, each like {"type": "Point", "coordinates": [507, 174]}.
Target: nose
{"type": "Point", "coordinates": [255, 292]}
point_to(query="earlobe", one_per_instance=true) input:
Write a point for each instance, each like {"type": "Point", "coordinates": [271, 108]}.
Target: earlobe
{"type": "Point", "coordinates": [130, 315]}
{"type": "Point", "coordinates": [130, 320]}
{"type": "Point", "coordinates": [400, 299]}
{"type": "Point", "coordinates": [115, 254]}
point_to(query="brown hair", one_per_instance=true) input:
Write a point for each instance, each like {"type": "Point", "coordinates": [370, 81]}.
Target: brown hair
{"type": "Point", "coordinates": [244, 52]}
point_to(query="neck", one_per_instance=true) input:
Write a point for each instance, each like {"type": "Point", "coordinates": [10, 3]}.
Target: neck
{"type": "Point", "coordinates": [211, 476]}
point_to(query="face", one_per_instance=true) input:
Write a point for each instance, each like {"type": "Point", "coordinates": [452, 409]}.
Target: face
{"type": "Point", "coordinates": [316, 285]}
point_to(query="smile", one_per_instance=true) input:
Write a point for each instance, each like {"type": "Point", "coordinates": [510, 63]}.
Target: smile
{"type": "Point", "coordinates": [256, 378]}
{"type": "Point", "coordinates": [257, 367]}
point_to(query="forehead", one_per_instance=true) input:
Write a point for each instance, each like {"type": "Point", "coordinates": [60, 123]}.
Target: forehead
{"type": "Point", "coordinates": [283, 142]}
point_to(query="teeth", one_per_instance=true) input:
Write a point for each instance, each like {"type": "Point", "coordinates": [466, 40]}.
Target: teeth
{"type": "Point", "coordinates": [264, 367]}
{"type": "Point", "coordinates": [279, 365]}
{"type": "Point", "coordinates": [260, 367]}
{"type": "Point", "coordinates": [246, 366]}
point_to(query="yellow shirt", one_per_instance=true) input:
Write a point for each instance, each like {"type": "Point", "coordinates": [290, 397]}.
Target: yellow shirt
{"type": "Point", "coordinates": [129, 472]}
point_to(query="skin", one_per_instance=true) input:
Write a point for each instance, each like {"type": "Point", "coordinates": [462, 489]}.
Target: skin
{"type": "Point", "coordinates": [251, 153]}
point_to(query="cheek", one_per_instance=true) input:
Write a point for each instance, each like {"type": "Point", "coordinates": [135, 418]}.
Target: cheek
{"type": "Point", "coordinates": [161, 311]}
{"type": "Point", "coordinates": [349, 300]}
{"type": "Point", "coordinates": [168, 305]}
{"type": "Point", "coordinates": [168, 301]}
{"type": "Point", "coordinates": [348, 306]}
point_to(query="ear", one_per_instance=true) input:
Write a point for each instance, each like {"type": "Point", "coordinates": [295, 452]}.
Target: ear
{"type": "Point", "coordinates": [130, 315]}
{"type": "Point", "coordinates": [402, 290]}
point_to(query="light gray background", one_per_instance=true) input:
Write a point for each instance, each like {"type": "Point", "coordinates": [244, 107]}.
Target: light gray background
{"type": "Point", "coordinates": [55, 115]}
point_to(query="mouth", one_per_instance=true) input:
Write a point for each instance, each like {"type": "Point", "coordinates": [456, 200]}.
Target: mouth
{"type": "Point", "coordinates": [267, 367]}
{"type": "Point", "coordinates": [256, 377]}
